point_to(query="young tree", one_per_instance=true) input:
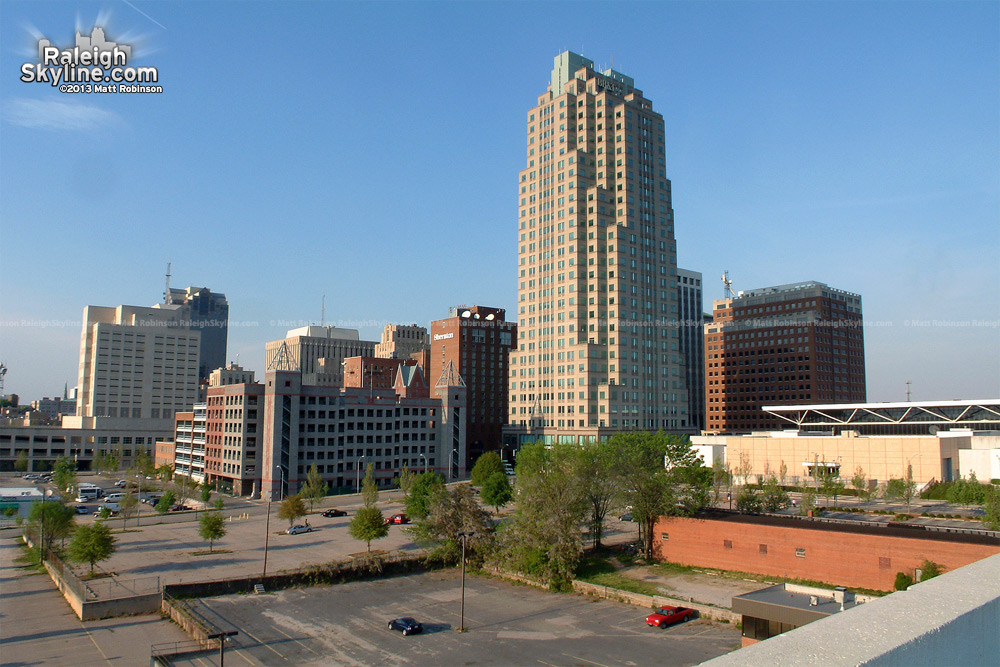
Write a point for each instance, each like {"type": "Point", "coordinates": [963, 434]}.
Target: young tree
{"type": "Point", "coordinates": [51, 521]}
{"type": "Point", "coordinates": [92, 544]}
{"type": "Point", "coordinates": [128, 506]}
{"type": "Point", "coordinates": [185, 488]}
{"type": "Point", "coordinates": [902, 489]}
{"type": "Point", "coordinates": [219, 504]}
{"type": "Point", "coordinates": [405, 479]}
{"type": "Point", "coordinates": [205, 491]}
{"type": "Point", "coordinates": [599, 477]}
{"type": "Point", "coordinates": [113, 460]}
{"type": "Point", "coordinates": [497, 492]}
{"type": "Point", "coordinates": [368, 524]}
{"type": "Point", "coordinates": [145, 464]}
{"type": "Point", "coordinates": [487, 464]}
{"type": "Point", "coordinates": [314, 488]}
{"type": "Point", "coordinates": [167, 500]}
{"type": "Point", "coordinates": [808, 498]}
{"type": "Point", "coordinates": [860, 484]}
{"type": "Point", "coordinates": [21, 464]}
{"type": "Point", "coordinates": [832, 486]}
{"type": "Point", "coordinates": [782, 473]}
{"type": "Point", "coordinates": [991, 507]}
{"type": "Point", "coordinates": [423, 489]}
{"type": "Point", "coordinates": [64, 476]}
{"type": "Point", "coordinates": [773, 497]}
{"type": "Point", "coordinates": [369, 488]}
{"type": "Point", "coordinates": [721, 478]}
{"type": "Point", "coordinates": [749, 499]}
{"type": "Point", "coordinates": [929, 569]}
{"type": "Point", "coordinates": [211, 527]}
{"type": "Point", "coordinates": [292, 508]}
{"type": "Point", "coordinates": [165, 472]}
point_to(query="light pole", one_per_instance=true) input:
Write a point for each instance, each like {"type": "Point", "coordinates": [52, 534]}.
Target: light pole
{"type": "Point", "coordinates": [465, 534]}
{"type": "Point", "coordinates": [281, 485]}
{"type": "Point", "coordinates": [425, 462]}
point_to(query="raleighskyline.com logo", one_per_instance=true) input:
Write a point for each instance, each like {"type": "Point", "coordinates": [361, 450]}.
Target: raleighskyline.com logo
{"type": "Point", "coordinates": [93, 65]}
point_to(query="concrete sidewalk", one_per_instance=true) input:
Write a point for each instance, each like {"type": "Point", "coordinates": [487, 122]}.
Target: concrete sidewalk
{"type": "Point", "coordinates": [37, 626]}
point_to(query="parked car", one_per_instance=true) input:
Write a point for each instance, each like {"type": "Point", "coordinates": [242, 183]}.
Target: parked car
{"type": "Point", "coordinates": [114, 508]}
{"type": "Point", "coordinates": [295, 530]}
{"type": "Point", "coordinates": [121, 484]}
{"type": "Point", "coordinates": [334, 512]}
{"type": "Point", "coordinates": [81, 509]}
{"type": "Point", "coordinates": [626, 517]}
{"type": "Point", "coordinates": [180, 508]}
{"type": "Point", "coordinates": [397, 518]}
{"type": "Point", "coordinates": [665, 616]}
{"type": "Point", "coordinates": [30, 475]}
{"type": "Point", "coordinates": [406, 625]}
{"type": "Point", "coordinates": [151, 499]}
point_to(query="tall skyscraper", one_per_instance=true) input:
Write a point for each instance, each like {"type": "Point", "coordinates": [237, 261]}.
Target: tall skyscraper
{"type": "Point", "coordinates": [200, 309]}
{"type": "Point", "coordinates": [598, 349]}
{"type": "Point", "coordinates": [785, 345]}
{"type": "Point", "coordinates": [692, 341]}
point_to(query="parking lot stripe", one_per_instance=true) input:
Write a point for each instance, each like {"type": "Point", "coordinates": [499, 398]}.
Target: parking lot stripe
{"type": "Point", "coordinates": [296, 641]}
{"type": "Point", "coordinates": [576, 657]}
{"type": "Point", "coordinates": [262, 643]}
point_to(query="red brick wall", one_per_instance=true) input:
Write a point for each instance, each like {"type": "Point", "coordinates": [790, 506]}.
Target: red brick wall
{"type": "Point", "coordinates": [850, 559]}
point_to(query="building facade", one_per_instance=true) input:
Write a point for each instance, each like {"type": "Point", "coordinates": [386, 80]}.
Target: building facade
{"type": "Point", "coordinates": [789, 344]}
{"type": "Point", "coordinates": [372, 372]}
{"type": "Point", "coordinates": [318, 352]}
{"type": "Point", "coordinates": [692, 343]}
{"type": "Point", "coordinates": [598, 350]}
{"type": "Point", "coordinates": [189, 442]}
{"type": "Point", "coordinates": [477, 342]}
{"type": "Point", "coordinates": [401, 341]}
{"type": "Point", "coordinates": [342, 430]}
{"type": "Point", "coordinates": [231, 374]}
{"type": "Point", "coordinates": [233, 436]}
{"type": "Point", "coordinates": [200, 309]}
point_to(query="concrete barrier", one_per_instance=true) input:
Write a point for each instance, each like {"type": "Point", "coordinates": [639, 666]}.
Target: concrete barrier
{"type": "Point", "coordinates": [654, 601]}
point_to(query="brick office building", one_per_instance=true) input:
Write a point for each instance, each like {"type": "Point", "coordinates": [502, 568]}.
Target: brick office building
{"type": "Point", "coordinates": [477, 340]}
{"type": "Point", "coordinates": [784, 345]}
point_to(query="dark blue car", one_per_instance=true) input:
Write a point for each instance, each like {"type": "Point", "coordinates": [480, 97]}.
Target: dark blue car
{"type": "Point", "coordinates": [406, 625]}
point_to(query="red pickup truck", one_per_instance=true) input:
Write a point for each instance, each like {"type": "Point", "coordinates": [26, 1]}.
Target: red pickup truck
{"type": "Point", "coordinates": [665, 616]}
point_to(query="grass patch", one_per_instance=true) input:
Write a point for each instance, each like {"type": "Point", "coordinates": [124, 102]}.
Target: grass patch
{"type": "Point", "coordinates": [674, 569]}
{"type": "Point", "coordinates": [622, 583]}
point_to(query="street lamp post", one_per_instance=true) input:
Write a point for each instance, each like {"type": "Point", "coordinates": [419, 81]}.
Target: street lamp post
{"type": "Point", "coordinates": [425, 462]}
{"type": "Point", "coordinates": [465, 534]}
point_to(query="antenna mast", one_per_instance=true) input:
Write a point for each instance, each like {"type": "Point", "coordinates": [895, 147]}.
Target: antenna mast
{"type": "Point", "coordinates": [322, 313]}
{"type": "Point", "coordinates": [908, 383]}
{"type": "Point", "coordinates": [166, 287]}
{"type": "Point", "coordinates": [3, 371]}
{"type": "Point", "coordinates": [727, 286]}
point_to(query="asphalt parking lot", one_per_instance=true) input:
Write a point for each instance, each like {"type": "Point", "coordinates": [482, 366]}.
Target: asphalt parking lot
{"type": "Point", "coordinates": [507, 625]}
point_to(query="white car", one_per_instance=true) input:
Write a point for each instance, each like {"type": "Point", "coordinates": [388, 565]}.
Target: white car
{"type": "Point", "coordinates": [295, 530]}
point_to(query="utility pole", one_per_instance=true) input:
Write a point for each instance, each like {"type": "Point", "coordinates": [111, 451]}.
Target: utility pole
{"type": "Point", "coordinates": [465, 534]}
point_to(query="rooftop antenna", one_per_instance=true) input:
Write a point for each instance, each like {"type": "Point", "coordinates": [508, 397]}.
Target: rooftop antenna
{"type": "Point", "coordinates": [3, 371]}
{"type": "Point", "coordinates": [322, 313]}
{"type": "Point", "coordinates": [908, 383]}
{"type": "Point", "coordinates": [727, 286]}
{"type": "Point", "coordinates": [166, 288]}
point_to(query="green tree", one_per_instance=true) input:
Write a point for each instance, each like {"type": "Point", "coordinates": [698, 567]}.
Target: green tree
{"type": "Point", "coordinates": [167, 500]}
{"type": "Point", "coordinates": [145, 464]}
{"type": "Point", "coordinates": [497, 492]}
{"type": "Point", "coordinates": [51, 521]}
{"type": "Point", "coordinates": [185, 488]}
{"type": "Point", "coordinates": [831, 486]}
{"type": "Point", "coordinates": [860, 484]}
{"type": "Point", "coordinates": [165, 472]}
{"type": "Point", "coordinates": [487, 464]}
{"type": "Point", "coordinates": [600, 479]}
{"type": "Point", "coordinates": [544, 535]}
{"type": "Point", "coordinates": [292, 508]}
{"type": "Point", "coordinates": [368, 524]}
{"type": "Point", "coordinates": [405, 479]}
{"type": "Point", "coordinates": [782, 473]}
{"type": "Point", "coordinates": [64, 476]}
{"type": "Point", "coordinates": [369, 488]}
{"type": "Point", "coordinates": [808, 498]}
{"type": "Point", "coordinates": [21, 464]}
{"type": "Point", "coordinates": [113, 460]}
{"type": "Point", "coordinates": [205, 491]}
{"type": "Point", "coordinates": [454, 511]}
{"type": "Point", "coordinates": [128, 506]}
{"type": "Point", "coordinates": [773, 497]}
{"type": "Point", "coordinates": [219, 504]}
{"type": "Point", "coordinates": [749, 499]}
{"type": "Point", "coordinates": [902, 489]}
{"type": "Point", "coordinates": [721, 478]}
{"type": "Point", "coordinates": [314, 489]}
{"type": "Point", "coordinates": [103, 513]}
{"type": "Point", "coordinates": [211, 527]}
{"type": "Point", "coordinates": [424, 487]}
{"type": "Point", "coordinates": [903, 581]}
{"type": "Point", "coordinates": [92, 544]}
{"type": "Point", "coordinates": [655, 467]}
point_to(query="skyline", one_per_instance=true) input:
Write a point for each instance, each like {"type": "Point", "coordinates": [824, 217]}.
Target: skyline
{"type": "Point", "coordinates": [842, 143]}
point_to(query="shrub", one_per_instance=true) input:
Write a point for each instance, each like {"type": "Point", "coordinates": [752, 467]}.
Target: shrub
{"type": "Point", "coordinates": [903, 581]}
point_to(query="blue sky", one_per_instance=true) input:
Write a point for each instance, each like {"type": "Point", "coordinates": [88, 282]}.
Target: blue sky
{"type": "Point", "coordinates": [370, 151]}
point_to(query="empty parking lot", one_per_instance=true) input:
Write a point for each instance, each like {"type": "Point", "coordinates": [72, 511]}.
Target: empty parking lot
{"type": "Point", "coordinates": [507, 625]}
